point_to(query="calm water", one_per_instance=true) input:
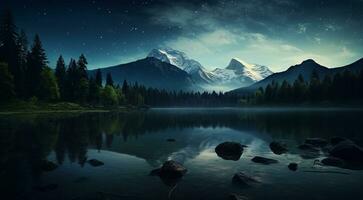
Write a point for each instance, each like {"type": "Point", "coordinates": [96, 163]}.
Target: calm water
{"type": "Point", "coordinates": [133, 144]}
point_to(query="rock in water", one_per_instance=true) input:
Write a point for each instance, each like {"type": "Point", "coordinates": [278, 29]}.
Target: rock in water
{"type": "Point", "coordinates": [172, 168]}
{"type": "Point", "coordinates": [46, 188]}
{"type": "Point", "coordinates": [318, 142]}
{"type": "Point", "coordinates": [234, 196]}
{"type": "Point", "coordinates": [337, 140]}
{"type": "Point", "coordinates": [292, 166]}
{"type": "Point", "coordinates": [348, 151]}
{"type": "Point", "coordinates": [48, 165]}
{"type": "Point", "coordinates": [243, 179]}
{"type": "Point", "coordinates": [95, 163]}
{"type": "Point", "coordinates": [308, 147]}
{"type": "Point", "coordinates": [262, 160]}
{"type": "Point", "coordinates": [229, 150]}
{"type": "Point", "coordinates": [331, 161]}
{"type": "Point", "coordinates": [278, 148]}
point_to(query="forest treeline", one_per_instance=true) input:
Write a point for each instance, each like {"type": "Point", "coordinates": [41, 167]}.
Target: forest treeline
{"type": "Point", "coordinates": [25, 75]}
{"type": "Point", "coordinates": [345, 87]}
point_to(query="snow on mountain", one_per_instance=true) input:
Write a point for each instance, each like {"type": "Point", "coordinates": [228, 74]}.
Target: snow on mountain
{"type": "Point", "coordinates": [253, 71]}
{"type": "Point", "coordinates": [237, 74]}
{"type": "Point", "coordinates": [181, 60]}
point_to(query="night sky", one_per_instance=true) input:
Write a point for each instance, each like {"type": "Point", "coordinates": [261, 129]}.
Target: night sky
{"type": "Point", "coordinates": [276, 33]}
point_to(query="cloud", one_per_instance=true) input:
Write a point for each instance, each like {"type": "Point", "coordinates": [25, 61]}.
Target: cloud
{"type": "Point", "coordinates": [258, 31]}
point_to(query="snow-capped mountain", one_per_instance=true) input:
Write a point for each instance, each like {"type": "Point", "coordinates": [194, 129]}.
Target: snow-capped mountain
{"type": "Point", "coordinates": [180, 59]}
{"type": "Point", "coordinates": [253, 71]}
{"type": "Point", "coordinates": [237, 74]}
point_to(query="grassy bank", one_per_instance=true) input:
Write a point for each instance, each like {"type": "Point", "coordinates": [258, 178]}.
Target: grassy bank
{"type": "Point", "coordinates": [19, 107]}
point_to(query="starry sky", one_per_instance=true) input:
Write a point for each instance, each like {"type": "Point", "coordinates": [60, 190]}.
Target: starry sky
{"type": "Point", "coordinates": [275, 33]}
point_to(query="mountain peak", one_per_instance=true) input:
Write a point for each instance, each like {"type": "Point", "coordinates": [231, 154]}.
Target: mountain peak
{"type": "Point", "coordinates": [177, 58]}
{"type": "Point", "coordinates": [309, 61]}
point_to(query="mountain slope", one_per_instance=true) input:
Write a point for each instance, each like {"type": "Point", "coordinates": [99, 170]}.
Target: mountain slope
{"type": "Point", "coordinates": [239, 73]}
{"type": "Point", "coordinates": [151, 72]}
{"type": "Point", "coordinates": [181, 60]}
{"type": "Point", "coordinates": [305, 69]}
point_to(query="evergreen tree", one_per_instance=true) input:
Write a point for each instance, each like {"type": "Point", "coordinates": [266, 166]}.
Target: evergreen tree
{"type": "Point", "coordinates": [6, 83]}
{"type": "Point", "coordinates": [109, 96]}
{"type": "Point", "coordinates": [9, 50]}
{"type": "Point", "coordinates": [22, 43]}
{"type": "Point", "coordinates": [94, 92]}
{"type": "Point", "coordinates": [60, 73]}
{"type": "Point", "coordinates": [109, 80]}
{"type": "Point", "coordinates": [48, 90]}
{"type": "Point", "coordinates": [37, 61]}
{"type": "Point", "coordinates": [99, 77]}
{"type": "Point", "coordinates": [315, 86]}
{"type": "Point", "coordinates": [72, 80]}
{"type": "Point", "coordinates": [326, 88]}
{"type": "Point", "coordinates": [125, 87]}
{"type": "Point", "coordinates": [82, 66]}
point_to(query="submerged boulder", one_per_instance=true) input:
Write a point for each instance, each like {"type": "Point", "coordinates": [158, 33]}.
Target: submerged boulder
{"type": "Point", "coordinates": [348, 151]}
{"type": "Point", "coordinates": [95, 162]}
{"type": "Point", "coordinates": [171, 169]}
{"type": "Point", "coordinates": [337, 140]}
{"type": "Point", "coordinates": [292, 166]}
{"type": "Point", "coordinates": [332, 161]}
{"type": "Point", "coordinates": [229, 150]}
{"type": "Point", "coordinates": [243, 179]}
{"type": "Point", "coordinates": [47, 165]}
{"type": "Point", "coordinates": [262, 160]}
{"type": "Point", "coordinates": [278, 147]}
{"type": "Point", "coordinates": [318, 142]}
{"type": "Point", "coordinates": [308, 147]}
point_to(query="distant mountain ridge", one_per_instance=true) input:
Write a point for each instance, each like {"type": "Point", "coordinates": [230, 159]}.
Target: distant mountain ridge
{"type": "Point", "coordinates": [237, 74]}
{"type": "Point", "coordinates": [305, 69]}
{"type": "Point", "coordinates": [151, 72]}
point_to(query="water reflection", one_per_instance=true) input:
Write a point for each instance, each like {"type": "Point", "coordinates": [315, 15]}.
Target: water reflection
{"type": "Point", "coordinates": [140, 138]}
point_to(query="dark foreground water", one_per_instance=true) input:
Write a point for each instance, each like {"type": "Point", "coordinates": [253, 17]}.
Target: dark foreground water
{"type": "Point", "coordinates": [133, 144]}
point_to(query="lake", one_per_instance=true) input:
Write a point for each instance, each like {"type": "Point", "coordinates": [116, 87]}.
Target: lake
{"type": "Point", "coordinates": [132, 144]}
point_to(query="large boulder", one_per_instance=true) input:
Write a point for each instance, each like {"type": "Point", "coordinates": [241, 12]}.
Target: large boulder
{"type": "Point", "coordinates": [348, 151]}
{"type": "Point", "coordinates": [278, 147]}
{"type": "Point", "coordinates": [293, 166]}
{"type": "Point", "coordinates": [318, 142]}
{"type": "Point", "coordinates": [229, 150]}
{"type": "Point", "coordinates": [336, 140]}
{"type": "Point", "coordinates": [308, 147]}
{"type": "Point", "coordinates": [332, 161]}
{"type": "Point", "coordinates": [241, 178]}
{"type": "Point", "coordinates": [262, 160]}
{"type": "Point", "coordinates": [170, 169]}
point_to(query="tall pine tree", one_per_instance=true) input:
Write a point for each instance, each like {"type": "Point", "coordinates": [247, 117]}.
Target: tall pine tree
{"type": "Point", "coordinates": [60, 73]}
{"type": "Point", "coordinates": [82, 66]}
{"type": "Point", "coordinates": [109, 80]}
{"type": "Point", "coordinates": [37, 62]}
{"type": "Point", "coordinates": [99, 77]}
{"type": "Point", "coordinates": [9, 49]}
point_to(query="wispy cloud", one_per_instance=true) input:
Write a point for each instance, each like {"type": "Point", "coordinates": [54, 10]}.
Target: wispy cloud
{"type": "Point", "coordinates": [257, 31]}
